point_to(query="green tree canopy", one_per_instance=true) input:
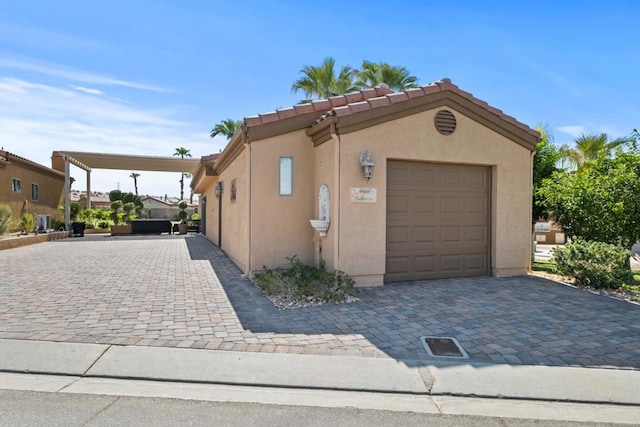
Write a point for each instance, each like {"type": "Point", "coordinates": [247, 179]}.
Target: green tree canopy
{"type": "Point", "coordinates": [589, 147]}
{"type": "Point", "coordinates": [135, 177]}
{"type": "Point", "coordinates": [182, 152]}
{"type": "Point", "coordinates": [601, 202]}
{"type": "Point", "coordinates": [544, 165]}
{"type": "Point", "coordinates": [321, 82]}
{"type": "Point", "coordinates": [372, 74]}
{"type": "Point", "coordinates": [226, 128]}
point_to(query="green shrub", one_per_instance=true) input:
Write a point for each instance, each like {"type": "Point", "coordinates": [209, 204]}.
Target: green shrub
{"type": "Point", "coordinates": [75, 210]}
{"type": "Point", "coordinates": [28, 222]}
{"type": "Point", "coordinates": [301, 280]}
{"type": "Point", "coordinates": [5, 218]}
{"type": "Point", "coordinates": [182, 215]}
{"type": "Point", "coordinates": [595, 264]}
{"type": "Point", "coordinates": [57, 224]}
{"type": "Point", "coordinates": [195, 217]}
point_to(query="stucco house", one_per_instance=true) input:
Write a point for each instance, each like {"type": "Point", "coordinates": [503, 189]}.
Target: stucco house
{"type": "Point", "coordinates": [167, 208]}
{"type": "Point", "coordinates": [24, 180]}
{"type": "Point", "coordinates": [426, 183]}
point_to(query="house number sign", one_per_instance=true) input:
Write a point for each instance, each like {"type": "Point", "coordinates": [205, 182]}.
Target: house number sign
{"type": "Point", "coordinates": [363, 195]}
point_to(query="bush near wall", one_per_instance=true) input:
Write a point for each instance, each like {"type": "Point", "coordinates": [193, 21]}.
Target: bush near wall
{"type": "Point", "coordinates": [595, 264]}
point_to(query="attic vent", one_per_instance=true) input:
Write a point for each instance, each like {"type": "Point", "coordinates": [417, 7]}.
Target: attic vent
{"type": "Point", "coordinates": [445, 122]}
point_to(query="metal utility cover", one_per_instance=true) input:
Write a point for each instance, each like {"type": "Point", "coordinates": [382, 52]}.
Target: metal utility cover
{"type": "Point", "coordinates": [443, 347]}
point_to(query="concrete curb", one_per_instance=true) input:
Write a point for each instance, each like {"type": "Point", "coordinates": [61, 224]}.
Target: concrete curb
{"type": "Point", "coordinates": [293, 371]}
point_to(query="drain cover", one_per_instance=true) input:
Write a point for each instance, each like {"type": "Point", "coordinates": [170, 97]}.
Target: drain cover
{"type": "Point", "coordinates": [443, 347]}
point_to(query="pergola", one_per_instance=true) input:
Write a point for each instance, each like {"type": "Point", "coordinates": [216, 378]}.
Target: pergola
{"type": "Point", "coordinates": [60, 160]}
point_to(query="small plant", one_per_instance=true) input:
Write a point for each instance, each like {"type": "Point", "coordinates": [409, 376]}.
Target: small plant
{"type": "Point", "coordinates": [57, 224]}
{"type": "Point", "coordinates": [115, 211]}
{"type": "Point", "coordinates": [595, 264]}
{"type": "Point", "coordinates": [5, 219]}
{"type": "Point", "coordinates": [75, 210]}
{"type": "Point", "coordinates": [306, 282]}
{"type": "Point", "coordinates": [182, 215]}
{"type": "Point", "coordinates": [128, 209]}
{"type": "Point", "coordinates": [195, 217]}
{"type": "Point", "coordinates": [28, 222]}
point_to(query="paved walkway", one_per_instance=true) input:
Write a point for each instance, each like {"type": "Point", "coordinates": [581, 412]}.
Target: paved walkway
{"type": "Point", "coordinates": [177, 291]}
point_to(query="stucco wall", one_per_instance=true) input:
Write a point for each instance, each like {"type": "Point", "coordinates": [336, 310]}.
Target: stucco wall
{"type": "Point", "coordinates": [326, 159]}
{"type": "Point", "coordinates": [49, 189]}
{"type": "Point", "coordinates": [362, 225]}
{"type": "Point", "coordinates": [280, 224]}
{"type": "Point", "coordinates": [235, 229]}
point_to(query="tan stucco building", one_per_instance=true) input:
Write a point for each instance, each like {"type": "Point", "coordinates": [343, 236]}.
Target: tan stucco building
{"type": "Point", "coordinates": [449, 196]}
{"type": "Point", "coordinates": [24, 180]}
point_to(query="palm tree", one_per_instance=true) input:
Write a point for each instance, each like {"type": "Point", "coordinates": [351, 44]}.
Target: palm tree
{"type": "Point", "coordinates": [226, 128]}
{"type": "Point", "coordinates": [135, 180]}
{"type": "Point", "coordinates": [372, 74]}
{"type": "Point", "coordinates": [182, 152]}
{"type": "Point", "coordinates": [322, 81]}
{"type": "Point", "coordinates": [589, 147]}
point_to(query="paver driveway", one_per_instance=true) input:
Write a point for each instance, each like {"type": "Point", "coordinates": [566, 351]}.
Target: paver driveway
{"type": "Point", "coordinates": [182, 291]}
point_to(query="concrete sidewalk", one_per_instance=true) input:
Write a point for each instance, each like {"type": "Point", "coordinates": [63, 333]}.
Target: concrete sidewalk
{"type": "Point", "coordinates": [101, 369]}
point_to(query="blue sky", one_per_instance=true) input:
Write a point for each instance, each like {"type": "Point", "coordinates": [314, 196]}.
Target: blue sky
{"type": "Point", "coordinates": [145, 77]}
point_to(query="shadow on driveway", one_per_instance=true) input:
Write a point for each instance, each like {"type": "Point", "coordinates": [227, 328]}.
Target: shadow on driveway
{"type": "Point", "coordinates": [520, 320]}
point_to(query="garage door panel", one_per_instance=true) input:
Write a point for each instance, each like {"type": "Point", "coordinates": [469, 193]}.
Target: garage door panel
{"type": "Point", "coordinates": [424, 234]}
{"type": "Point", "coordinates": [398, 204]}
{"type": "Point", "coordinates": [476, 262]}
{"type": "Point", "coordinates": [438, 219]}
{"type": "Point", "coordinates": [398, 235]}
{"type": "Point", "coordinates": [450, 263]}
{"type": "Point", "coordinates": [425, 264]}
{"type": "Point", "coordinates": [450, 233]}
{"type": "Point", "coordinates": [397, 176]}
{"type": "Point", "coordinates": [476, 205]}
{"type": "Point", "coordinates": [476, 233]}
{"type": "Point", "coordinates": [450, 205]}
{"type": "Point", "coordinates": [397, 265]}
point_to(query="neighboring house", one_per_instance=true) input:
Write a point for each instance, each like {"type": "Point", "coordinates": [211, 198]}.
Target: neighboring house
{"type": "Point", "coordinates": [24, 180]}
{"type": "Point", "coordinates": [167, 208]}
{"type": "Point", "coordinates": [450, 193]}
{"type": "Point", "coordinates": [98, 201]}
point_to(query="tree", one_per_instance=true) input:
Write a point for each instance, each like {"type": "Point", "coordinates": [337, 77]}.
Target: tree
{"type": "Point", "coordinates": [322, 82]}
{"type": "Point", "coordinates": [372, 74]}
{"type": "Point", "coordinates": [544, 165]}
{"type": "Point", "coordinates": [226, 128]}
{"type": "Point", "coordinates": [135, 180]}
{"type": "Point", "coordinates": [588, 148]}
{"type": "Point", "coordinates": [601, 202]}
{"type": "Point", "coordinates": [182, 152]}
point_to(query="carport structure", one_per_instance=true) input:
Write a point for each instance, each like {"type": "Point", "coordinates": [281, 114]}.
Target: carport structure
{"type": "Point", "coordinates": [61, 161]}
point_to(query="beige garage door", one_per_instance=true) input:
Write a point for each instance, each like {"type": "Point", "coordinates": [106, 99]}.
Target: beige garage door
{"type": "Point", "coordinates": [437, 220]}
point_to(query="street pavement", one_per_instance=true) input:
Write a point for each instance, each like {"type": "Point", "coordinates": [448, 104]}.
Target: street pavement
{"type": "Point", "coordinates": [171, 316]}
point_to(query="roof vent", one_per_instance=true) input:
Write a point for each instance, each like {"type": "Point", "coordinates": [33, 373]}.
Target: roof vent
{"type": "Point", "coordinates": [445, 122]}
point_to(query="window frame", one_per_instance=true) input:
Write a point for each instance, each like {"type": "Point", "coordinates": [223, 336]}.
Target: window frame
{"type": "Point", "coordinates": [281, 189]}
{"type": "Point", "coordinates": [35, 195]}
{"type": "Point", "coordinates": [16, 188]}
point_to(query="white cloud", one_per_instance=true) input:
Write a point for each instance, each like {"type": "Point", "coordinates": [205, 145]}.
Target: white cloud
{"type": "Point", "coordinates": [56, 70]}
{"type": "Point", "coordinates": [88, 90]}
{"type": "Point", "coordinates": [572, 130]}
{"type": "Point", "coordinates": [37, 119]}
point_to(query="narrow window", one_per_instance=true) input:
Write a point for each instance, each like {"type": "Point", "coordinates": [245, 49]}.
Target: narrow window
{"type": "Point", "coordinates": [16, 186]}
{"type": "Point", "coordinates": [34, 191]}
{"type": "Point", "coordinates": [232, 193]}
{"type": "Point", "coordinates": [286, 176]}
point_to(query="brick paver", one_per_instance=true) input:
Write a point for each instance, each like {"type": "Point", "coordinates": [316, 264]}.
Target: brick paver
{"type": "Point", "coordinates": [182, 291]}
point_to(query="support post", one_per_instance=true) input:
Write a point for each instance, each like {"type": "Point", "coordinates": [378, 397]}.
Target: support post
{"type": "Point", "coordinates": [67, 196]}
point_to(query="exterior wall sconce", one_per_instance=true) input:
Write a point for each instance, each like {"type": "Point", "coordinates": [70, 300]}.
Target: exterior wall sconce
{"type": "Point", "coordinates": [219, 189]}
{"type": "Point", "coordinates": [367, 165]}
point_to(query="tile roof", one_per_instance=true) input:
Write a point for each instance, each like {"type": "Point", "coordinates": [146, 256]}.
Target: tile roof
{"type": "Point", "coordinates": [396, 97]}
{"type": "Point", "coordinates": [319, 106]}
